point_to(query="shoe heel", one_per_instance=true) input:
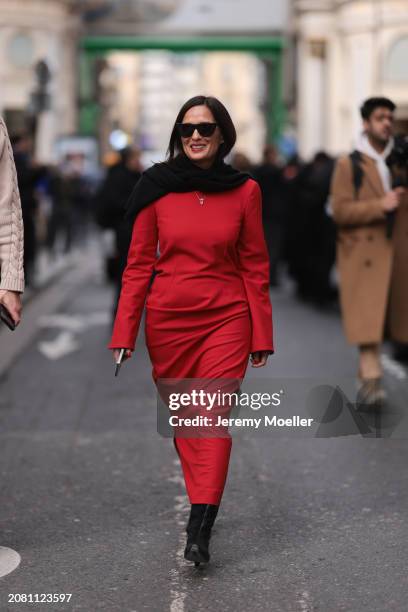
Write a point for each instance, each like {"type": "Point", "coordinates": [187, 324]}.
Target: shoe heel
{"type": "Point", "coordinates": [194, 554]}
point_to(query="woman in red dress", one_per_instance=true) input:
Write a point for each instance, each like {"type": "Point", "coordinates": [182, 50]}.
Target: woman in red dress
{"type": "Point", "coordinates": [208, 309]}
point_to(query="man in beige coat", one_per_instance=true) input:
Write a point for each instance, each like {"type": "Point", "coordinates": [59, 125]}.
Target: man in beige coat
{"type": "Point", "coordinates": [372, 243]}
{"type": "Point", "coordinates": [11, 231]}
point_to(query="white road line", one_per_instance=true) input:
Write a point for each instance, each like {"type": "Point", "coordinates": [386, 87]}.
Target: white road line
{"type": "Point", "coordinates": [68, 322]}
{"type": "Point", "coordinates": [75, 323]}
{"type": "Point", "coordinates": [305, 602]}
{"type": "Point", "coordinates": [66, 342]}
{"type": "Point", "coordinates": [46, 302]}
{"type": "Point", "coordinates": [9, 560]}
{"type": "Point", "coordinates": [62, 345]}
{"type": "Point", "coordinates": [181, 506]}
{"type": "Point", "coordinates": [97, 318]}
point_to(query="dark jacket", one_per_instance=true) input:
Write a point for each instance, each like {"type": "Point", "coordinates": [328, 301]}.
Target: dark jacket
{"type": "Point", "coordinates": [110, 205]}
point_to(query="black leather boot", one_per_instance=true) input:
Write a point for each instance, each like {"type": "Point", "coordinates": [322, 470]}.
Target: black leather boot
{"type": "Point", "coordinates": [200, 523]}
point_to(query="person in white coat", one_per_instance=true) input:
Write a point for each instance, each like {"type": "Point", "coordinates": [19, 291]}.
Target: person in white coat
{"type": "Point", "coordinates": [11, 231]}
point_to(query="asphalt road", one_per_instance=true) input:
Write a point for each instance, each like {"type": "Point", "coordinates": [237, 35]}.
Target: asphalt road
{"type": "Point", "coordinates": [93, 501]}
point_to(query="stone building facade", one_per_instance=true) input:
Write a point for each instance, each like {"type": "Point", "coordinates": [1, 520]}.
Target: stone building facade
{"type": "Point", "coordinates": [33, 31]}
{"type": "Point", "coordinates": [347, 50]}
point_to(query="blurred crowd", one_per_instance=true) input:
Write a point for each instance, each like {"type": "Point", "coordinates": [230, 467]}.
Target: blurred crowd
{"type": "Point", "coordinates": [299, 231]}
{"type": "Point", "coordinates": [60, 204]}
{"type": "Point", "coordinates": [56, 202]}
{"type": "Point", "coordinates": [110, 200]}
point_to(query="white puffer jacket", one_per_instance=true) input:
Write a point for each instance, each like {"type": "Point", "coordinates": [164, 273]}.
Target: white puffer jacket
{"type": "Point", "coordinates": [11, 219]}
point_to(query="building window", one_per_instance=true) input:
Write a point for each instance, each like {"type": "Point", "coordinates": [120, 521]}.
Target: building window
{"type": "Point", "coordinates": [396, 65]}
{"type": "Point", "coordinates": [20, 50]}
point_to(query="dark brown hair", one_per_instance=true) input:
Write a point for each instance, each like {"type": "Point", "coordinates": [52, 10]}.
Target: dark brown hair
{"type": "Point", "coordinates": [371, 104]}
{"type": "Point", "coordinates": [222, 118]}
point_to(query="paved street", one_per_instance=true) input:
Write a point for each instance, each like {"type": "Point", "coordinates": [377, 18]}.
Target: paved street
{"type": "Point", "coordinates": [93, 501]}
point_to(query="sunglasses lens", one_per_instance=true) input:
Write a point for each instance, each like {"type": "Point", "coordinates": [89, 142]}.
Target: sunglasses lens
{"type": "Point", "coordinates": [186, 130]}
{"type": "Point", "coordinates": [207, 129]}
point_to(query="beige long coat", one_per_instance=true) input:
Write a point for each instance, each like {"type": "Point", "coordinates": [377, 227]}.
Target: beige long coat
{"type": "Point", "coordinates": [11, 220]}
{"type": "Point", "coordinates": [373, 269]}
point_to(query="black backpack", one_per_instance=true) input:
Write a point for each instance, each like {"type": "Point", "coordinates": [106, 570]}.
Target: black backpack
{"type": "Point", "coordinates": [358, 174]}
{"type": "Point", "coordinates": [357, 170]}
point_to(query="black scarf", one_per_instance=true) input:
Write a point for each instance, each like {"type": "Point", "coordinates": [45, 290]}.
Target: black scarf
{"type": "Point", "coordinates": [181, 175]}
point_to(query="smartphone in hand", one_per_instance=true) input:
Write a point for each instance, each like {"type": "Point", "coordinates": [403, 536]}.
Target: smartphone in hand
{"type": "Point", "coordinates": [6, 317]}
{"type": "Point", "coordinates": [119, 361]}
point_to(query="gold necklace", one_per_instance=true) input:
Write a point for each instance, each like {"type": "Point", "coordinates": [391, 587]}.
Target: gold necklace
{"type": "Point", "coordinates": [200, 198]}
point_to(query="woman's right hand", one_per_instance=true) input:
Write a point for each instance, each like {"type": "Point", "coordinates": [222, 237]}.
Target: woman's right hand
{"type": "Point", "coordinates": [116, 353]}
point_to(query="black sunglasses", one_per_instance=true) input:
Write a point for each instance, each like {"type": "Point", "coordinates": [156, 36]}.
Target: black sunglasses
{"type": "Point", "coordinates": [186, 130]}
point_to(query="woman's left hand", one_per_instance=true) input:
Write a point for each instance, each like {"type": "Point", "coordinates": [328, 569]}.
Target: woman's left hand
{"type": "Point", "coordinates": [259, 358]}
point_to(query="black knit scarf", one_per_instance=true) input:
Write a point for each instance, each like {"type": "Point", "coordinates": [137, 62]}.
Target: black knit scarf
{"type": "Point", "coordinates": [181, 175]}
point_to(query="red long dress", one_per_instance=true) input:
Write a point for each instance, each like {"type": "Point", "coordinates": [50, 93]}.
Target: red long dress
{"type": "Point", "coordinates": [207, 309]}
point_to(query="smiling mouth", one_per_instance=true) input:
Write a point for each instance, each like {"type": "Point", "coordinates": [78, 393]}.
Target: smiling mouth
{"type": "Point", "coordinates": [197, 148]}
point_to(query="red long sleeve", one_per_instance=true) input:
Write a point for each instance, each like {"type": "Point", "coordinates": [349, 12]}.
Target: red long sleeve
{"type": "Point", "coordinates": [254, 268]}
{"type": "Point", "coordinates": [135, 280]}
{"type": "Point", "coordinates": [212, 255]}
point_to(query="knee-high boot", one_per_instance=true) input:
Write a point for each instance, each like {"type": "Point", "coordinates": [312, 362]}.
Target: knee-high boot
{"type": "Point", "coordinates": [200, 523]}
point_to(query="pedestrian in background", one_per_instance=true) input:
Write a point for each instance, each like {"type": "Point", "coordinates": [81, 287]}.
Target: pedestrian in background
{"type": "Point", "coordinates": [290, 176]}
{"type": "Point", "coordinates": [274, 209]}
{"type": "Point", "coordinates": [240, 161]}
{"type": "Point", "coordinates": [109, 207]}
{"type": "Point", "coordinates": [208, 309]}
{"type": "Point", "coordinates": [371, 212]}
{"type": "Point", "coordinates": [312, 232]}
{"type": "Point", "coordinates": [11, 231]}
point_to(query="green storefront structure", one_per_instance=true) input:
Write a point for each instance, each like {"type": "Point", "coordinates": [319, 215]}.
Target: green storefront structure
{"type": "Point", "coordinates": [269, 49]}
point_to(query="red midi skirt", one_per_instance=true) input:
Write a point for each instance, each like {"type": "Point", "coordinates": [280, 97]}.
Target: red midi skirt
{"type": "Point", "coordinates": [209, 344]}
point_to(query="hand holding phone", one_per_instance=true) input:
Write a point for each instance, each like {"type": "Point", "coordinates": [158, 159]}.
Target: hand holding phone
{"type": "Point", "coordinates": [121, 356]}
{"type": "Point", "coordinates": [6, 317]}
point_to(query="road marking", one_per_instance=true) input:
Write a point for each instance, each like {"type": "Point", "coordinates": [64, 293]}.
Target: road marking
{"type": "Point", "coordinates": [62, 345]}
{"type": "Point", "coordinates": [305, 602]}
{"type": "Point", "coordinates": [75, 322]}
{"type": "Point", "coordinates": [181, 506]}
{"type": "Point", "coordinates": [68, 322]}
{"type": "Point", "coordinates": [9, 560]}
{"type": "Point", "coordinates": [98, 318]}
{"type": "Point", "coordinates": [46, 301]}
{"type": "Point", "coordinates": [66, 342]}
